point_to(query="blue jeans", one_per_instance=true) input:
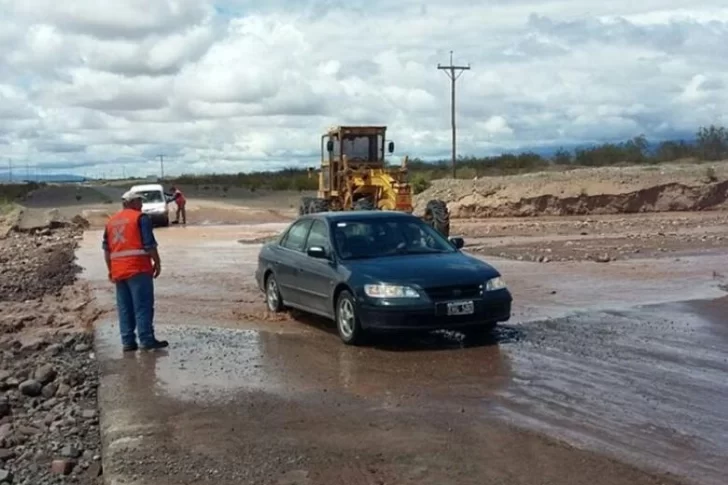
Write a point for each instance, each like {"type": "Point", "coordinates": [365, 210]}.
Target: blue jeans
{"type": "Point", "coordinates": [135, 305]}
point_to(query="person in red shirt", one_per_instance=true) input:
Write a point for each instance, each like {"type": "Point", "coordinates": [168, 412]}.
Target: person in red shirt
{"type": "Point", "coordinates": [179, 199]}
{"type": "Point", "coordinates": [133, 262]}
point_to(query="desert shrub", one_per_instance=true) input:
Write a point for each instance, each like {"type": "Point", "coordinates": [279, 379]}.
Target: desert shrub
{"type": "Point", "coordinates": [419, 183]}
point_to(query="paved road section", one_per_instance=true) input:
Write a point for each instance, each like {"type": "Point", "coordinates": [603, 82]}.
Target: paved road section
{"type": "Point", "coordinates": [620, 382]}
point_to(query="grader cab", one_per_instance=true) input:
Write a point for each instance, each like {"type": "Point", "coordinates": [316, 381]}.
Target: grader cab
{"type": "Point", "coordinates": [353, 176]}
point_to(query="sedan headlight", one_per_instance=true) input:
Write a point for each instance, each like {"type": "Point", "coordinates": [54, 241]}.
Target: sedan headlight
{"type": "Point", "coordinates": [496, 283]}
{"type": "Point", "coordinates": [390, 291]}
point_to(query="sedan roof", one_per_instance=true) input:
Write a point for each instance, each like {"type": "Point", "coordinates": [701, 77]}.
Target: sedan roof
{"type": "Point", "coordinates": [359, 215]}
{"type": "Point", "coordinates": [141, 188]}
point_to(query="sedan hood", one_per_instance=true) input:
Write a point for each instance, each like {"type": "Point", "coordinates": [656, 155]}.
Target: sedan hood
{"type": "Point", "coordinates": [425, 270]}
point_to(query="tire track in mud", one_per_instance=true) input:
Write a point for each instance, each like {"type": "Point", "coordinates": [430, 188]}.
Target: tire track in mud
{"type": "Point", "coordinates": [645, 384]}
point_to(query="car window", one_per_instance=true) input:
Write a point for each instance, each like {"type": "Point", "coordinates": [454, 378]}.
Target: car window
{"type": "Point", "coordinates": [318, 236]}
{"type": "Point", "coordinates": [296, 236]}
{"type": "Point", "coordinates": [152, 195]}
{"type": "Point", "coordinates": [382, 237]}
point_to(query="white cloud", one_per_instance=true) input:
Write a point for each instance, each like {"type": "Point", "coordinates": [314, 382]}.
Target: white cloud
{"type": "Point", "coordinates": [495, 126]}
{"type": "Point", "coordinates": [242, 85]}
{"type": "Point", "coordinates": [111, 18]}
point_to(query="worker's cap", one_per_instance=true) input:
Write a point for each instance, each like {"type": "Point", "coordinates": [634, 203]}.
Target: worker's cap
{"type": "Point", "coordinates": [131, 195]}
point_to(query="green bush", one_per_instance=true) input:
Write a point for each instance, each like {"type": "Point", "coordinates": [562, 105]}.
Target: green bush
{"type": "Point", "coordinates": [419, 183]}
{"type": "Point", "coordinates": [710, 175]}
{"type": "Point", "coordinates": [467, 173]}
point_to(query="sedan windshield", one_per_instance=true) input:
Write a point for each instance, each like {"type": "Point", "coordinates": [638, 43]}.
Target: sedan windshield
{"type": "Point", "coordinates": [373, 238]}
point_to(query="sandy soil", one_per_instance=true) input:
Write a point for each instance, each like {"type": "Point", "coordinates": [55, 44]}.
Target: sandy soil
{"type": "Point", "coordinates": [611, 190]}
{"type": "Point", "coordinates": [597, 238]}
{"type": "Point", "coordinates": [611, 370]}
{"type": "Point", "coordinates": [542, 237]}
{"type": "Point", "coordinates": [97, 203]}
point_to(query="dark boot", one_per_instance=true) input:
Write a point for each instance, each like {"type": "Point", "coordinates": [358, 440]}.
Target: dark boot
{"type": "Point", "coordinates": [157, 344]}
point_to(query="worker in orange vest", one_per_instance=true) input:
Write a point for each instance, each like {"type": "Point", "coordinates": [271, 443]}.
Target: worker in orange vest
{"type": "Point", "coordinates": [132, 259]}
{"type": "Point", "coordinates": [180, 201]}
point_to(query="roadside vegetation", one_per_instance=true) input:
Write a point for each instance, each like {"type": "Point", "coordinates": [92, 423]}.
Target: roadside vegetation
{"type": "Point", "coordinates": [710, 144]}
{"type": "Point", "coordinates": [6, 207]}
{"type": "Point", "coordinates": [12, 193]}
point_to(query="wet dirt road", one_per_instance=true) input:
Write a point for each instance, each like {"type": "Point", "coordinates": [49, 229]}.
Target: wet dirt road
{"type": "Point", "coordinates": [583, 386]}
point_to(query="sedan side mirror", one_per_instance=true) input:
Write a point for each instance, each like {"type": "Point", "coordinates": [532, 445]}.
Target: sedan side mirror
{"type": "Point", "coordinates": [391, 147]}
{"type": "Point", "coordinates": [458, 242]}
{"type": "Point", "coordinates": [317, 252]}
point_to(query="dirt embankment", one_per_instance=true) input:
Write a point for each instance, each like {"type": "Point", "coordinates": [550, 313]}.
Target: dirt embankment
{"type": "Point", "coordinates": [37, 255]}
{"type": "Point", "coordinates": [206, 205]}
{"type": "Point", "coordinates": [49, 429]}
{"type": "Point", "coordinates": [613, 190]}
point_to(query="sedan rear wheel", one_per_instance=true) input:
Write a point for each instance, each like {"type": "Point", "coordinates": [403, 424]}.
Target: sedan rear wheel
{"type": "Point", "coordinates": [273, 295]}
{"type": "Point", "coordinates": [347, 323]}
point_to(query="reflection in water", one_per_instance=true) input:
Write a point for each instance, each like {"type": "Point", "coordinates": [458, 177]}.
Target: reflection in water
{"type": "Point", "coordinates": [201, 364]}
{"type": "Point", "coordinates": [143, 367]}
{"type": "Point", "coordinates": [407, 367]}
{"type": "Point", "coordinates": [648, 385]}
{"type": "Point", "coordinates": [215, 364]}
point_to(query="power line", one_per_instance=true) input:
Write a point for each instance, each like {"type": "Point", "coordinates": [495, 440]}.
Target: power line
{"type": "Point", "coordinates": [453, 72]}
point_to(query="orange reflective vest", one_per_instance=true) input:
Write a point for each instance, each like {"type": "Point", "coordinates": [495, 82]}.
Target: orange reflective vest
{"type": "Point", "coordinates": [124, 238]}
{"type": "Point", "coordinates": [179, 198]}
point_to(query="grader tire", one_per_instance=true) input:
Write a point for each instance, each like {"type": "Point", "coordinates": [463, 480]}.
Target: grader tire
{"type": "Point", "coordinates": [318, 205]}
{"type": "Point", "coordinates": [364, 205]}
{"type": "Point", "coordinates": [303, 205]}
{"type": "Point", "coordinates": [438, 216]}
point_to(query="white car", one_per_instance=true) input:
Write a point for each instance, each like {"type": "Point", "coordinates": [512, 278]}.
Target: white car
{"type": "Point", "coordinates": [155, 203]}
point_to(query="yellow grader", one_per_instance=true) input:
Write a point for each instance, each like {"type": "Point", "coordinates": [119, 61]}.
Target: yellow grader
{"type": "Point", "coordinates": [353, 176]}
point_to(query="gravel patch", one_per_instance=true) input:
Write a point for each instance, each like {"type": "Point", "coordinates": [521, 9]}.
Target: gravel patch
{"type": "Point", "coordinates": [49, 425]}
{"type": "Point", "coordinates": [49, 430]}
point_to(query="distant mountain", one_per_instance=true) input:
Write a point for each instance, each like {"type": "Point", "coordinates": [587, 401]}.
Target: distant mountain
{"type": "Point", "coordinates": [19, 177]}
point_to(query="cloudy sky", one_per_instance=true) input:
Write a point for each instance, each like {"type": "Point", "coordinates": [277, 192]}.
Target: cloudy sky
{"type": "Point", "coordinates": [101, 86]}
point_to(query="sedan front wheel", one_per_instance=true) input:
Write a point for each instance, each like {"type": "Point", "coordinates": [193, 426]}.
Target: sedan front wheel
{"type": "Point", "coordinates": [347, 323]}
{"type": "Point", "coordinates": [273, 295]}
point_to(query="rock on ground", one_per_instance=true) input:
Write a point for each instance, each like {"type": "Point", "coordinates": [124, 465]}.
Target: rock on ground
{"type": "Point", "coordinates": [49, 425]}
{"type": "Point", "coordinates": [38, 262]}
{"type": "Point", "coordinates": [41, 429]}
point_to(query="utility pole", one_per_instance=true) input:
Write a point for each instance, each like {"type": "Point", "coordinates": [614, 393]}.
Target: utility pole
{"type": "Point", "coordinates": [161, 166]}
{"type": "Point", "coordinates": [453, 72]}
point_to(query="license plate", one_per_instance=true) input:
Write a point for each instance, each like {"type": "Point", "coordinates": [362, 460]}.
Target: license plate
{"type": "Point", "coordinates": [460, 308]}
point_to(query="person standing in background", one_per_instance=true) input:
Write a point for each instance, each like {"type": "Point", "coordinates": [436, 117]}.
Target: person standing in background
{"type": "Point", "coordinates": [179, 199]}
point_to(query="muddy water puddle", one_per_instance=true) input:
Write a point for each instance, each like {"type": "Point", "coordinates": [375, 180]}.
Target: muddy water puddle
{"type": "Point", "coordinates": [579, 361]}
{"type": "Point", "coordinates": [646, 384]}
{"type": "Point", "coordinates": [209, 364]}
